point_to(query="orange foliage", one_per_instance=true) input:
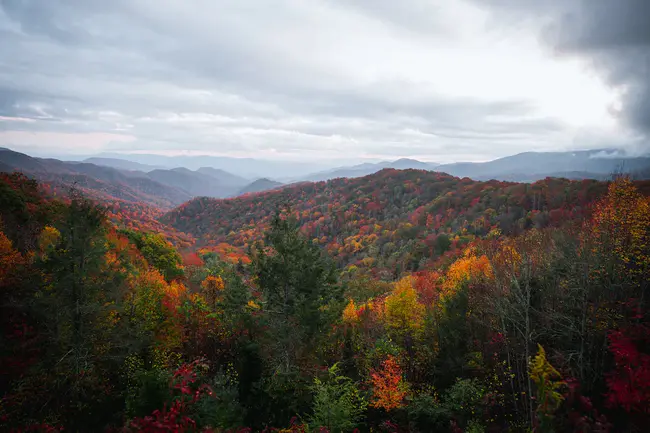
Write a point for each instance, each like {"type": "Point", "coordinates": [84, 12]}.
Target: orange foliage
{"type": "Point", "coordinates": [350, 313]}
{"type": "Point", "coordinates": [465, 269]}
{"type": "Point", "coordinates": [9, 259]}
{"type": "Point", "coordinates": [388, 387]}
{"type": "Point", "coordinates": [213, 284]}
{"type": "Point", "coordinates": [192, 259]}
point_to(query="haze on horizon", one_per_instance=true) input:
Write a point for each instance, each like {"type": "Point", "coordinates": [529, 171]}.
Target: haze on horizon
{"type": "Point", "coordinates": [325, 80]}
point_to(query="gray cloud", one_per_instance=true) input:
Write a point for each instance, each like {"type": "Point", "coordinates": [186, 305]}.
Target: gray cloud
{"type": "Point", "coordinates": [284, 77]}
{"type": "Point", "coordinates": [613, 35]}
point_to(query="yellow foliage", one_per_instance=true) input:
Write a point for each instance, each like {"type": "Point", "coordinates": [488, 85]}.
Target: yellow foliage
{"type": "Point", "coordinates": [48, 239]}
{"type": "Point", "coordinates": [9, 259]}
{"type": "Point", "coordinates": [622, 224]}
{"type": "Point", "coordinates": [547, 380]}
{"type": "Point", "coordinates": [213, 284]}
{"type": "Point", "coordinates": [402, 311]}
{"type": "Point", "coordinates": [350, 313]}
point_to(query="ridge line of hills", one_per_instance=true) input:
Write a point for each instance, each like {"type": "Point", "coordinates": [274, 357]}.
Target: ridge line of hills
{"type": "Point", "coordinates": [107, 179]}
{"type": "Point", "coordinates": [163, 188]}
{"type": "Point", "coordinates": [392, 219]}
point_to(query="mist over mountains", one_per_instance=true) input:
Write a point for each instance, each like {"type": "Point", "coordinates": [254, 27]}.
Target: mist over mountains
{"type": "Point", "coordinates": [164, 181]}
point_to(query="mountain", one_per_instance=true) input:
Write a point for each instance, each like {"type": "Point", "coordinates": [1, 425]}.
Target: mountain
{"type": "Point", "coordinates": [121, 164]}
{"type": "Point", "coordinates": [369, 168]}
{"type": "Point", "coordinates": [536, 165]}
{"type": "Point", "coordinates": [119, 179]}
{"type": "Point", "coordinates": [223, 176]}
{"type": "Point", "coordinates": [260, 185]}
{"type": "Point", "coordinates": [194, 183]}
{"type": "Point", "coordinates": [391, 220]}
{"type": "Point", "coordinates": [523, 167]}
{"type": "Point", "coordinates": [406, 163]}
{"type": "Point", "coordinates": [245, 167]}
{"type": "Point", "coordinates": [102, 183]}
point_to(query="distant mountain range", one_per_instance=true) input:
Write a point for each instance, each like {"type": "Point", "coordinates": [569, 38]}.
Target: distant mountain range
{"type": "Point", "coordinates": [368, 168]}
{"type": "Point", "coordinates": [524, 167]}
{"type": "Point", "coordinates": [121, 164]}
{"type": "Point", "coordinates": [260, 185]}
{"type": "Point", "coordinates": [249, 168]}
{"type": "Point", "coordinates": [156, 184]}
{"type": "Point", "coordinates": [532, 166]}
{"type": "Point", "coordinates": [107, 179]}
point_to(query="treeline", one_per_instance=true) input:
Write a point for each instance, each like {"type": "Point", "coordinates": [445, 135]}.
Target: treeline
{"type": "Point", "coordinates": [543, 330]}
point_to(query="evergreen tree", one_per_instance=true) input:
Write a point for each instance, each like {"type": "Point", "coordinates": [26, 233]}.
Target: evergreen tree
{"type": "Point", "coordinates": [297, 282]}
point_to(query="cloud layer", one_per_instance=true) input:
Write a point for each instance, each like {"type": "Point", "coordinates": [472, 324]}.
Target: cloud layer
{"type": "Point", "coordinates": [351, 79]}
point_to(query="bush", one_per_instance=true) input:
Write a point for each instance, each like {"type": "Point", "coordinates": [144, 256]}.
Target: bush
{"type": "Point", "coordinates": [338, 404]}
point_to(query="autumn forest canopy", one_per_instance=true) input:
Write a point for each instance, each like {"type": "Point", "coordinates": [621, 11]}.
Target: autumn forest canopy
{"type": "Point", "coordinates": [402, 301]}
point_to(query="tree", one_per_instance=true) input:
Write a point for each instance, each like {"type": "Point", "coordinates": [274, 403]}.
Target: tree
{"type": "Point", "coordinates": [79, 305]}
{"type": "Point", "coordinates": [159, 253]}
{"type": "Point", "coordinates": [403, 313]}
{"type": "Point", "coordinates": [548, 383]}
{"type": "Point", "coordinates": [338, 404]}
{"type": "Point", "coordinates": [388, 387]}
{"type": "Point", "coordinates": [297, 282]}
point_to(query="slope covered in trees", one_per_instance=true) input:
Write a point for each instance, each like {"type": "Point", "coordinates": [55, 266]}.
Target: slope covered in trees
{"type": "Point", "coordinates": [527, 327]}
{"type": "Point", "coordinates": [99, 182]}
{"type": "Point", "coordinates": [391, 221]}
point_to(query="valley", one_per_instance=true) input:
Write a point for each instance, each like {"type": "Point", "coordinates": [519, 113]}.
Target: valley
{"type": "Point", "coordinates": [360, 292]}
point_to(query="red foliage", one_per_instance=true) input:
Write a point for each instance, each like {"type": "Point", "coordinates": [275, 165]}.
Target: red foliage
{"type": "Point", "coordinates": [629, 383]}
{"type": "Point", "coordinates": [192, 259]}
{"type": "Point", "coordinates": [176, 418]}
{"type": "Point", "coordinates": [388, 387]}
{"type": "Point", "coordinates": [583, 416]}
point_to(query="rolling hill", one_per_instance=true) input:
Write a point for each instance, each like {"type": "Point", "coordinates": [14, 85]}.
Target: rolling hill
{"type": "Point", "coordinates": [246, 167]}
{"type": "Point", "coordinates": [108, 179]}
{"type": "Point", "coordinates": [223, 176]}
{"type": "Point", "coordinates": [121, 164]}
{"type": "Point", "coordinates": [366, 168]}
{"type": "Point", "coordinates": [391, 220]}
{"type": "Point", "coordinates": [523, 167]}
{"type": "Point", "coordinates": [260, 185]}
{"type": "Point", "coordinates": [99, 182]}
{"type": "Point", "coordinates": [538, 165]}
{"type": "Point", "coordinates": [204, 183]}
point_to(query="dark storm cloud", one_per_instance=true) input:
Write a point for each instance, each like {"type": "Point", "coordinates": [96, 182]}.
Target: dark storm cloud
{"type": "Point", "coordinates": [613, 34]}
{"type": "Point", "coordinates": [248, 76]}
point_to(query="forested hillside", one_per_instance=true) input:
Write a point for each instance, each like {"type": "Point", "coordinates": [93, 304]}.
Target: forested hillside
{"type": "Point", "coordinates": [103, 183]}
{"type": "Point", "coordinates": [405, 301]}
{"type": "Point", "coordinates": [391, 221]}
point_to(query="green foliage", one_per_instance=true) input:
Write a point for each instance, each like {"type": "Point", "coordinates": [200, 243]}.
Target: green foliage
{"type": "Point", "coordinates": [338, 403]}
{"type": "Point", "coordinates": [224, 410]}
{"type": "Point", "coordinates": [442, 244]}
{"type": "Point", "coordinates": [474, 426]}
{"type": "Point", "coordinates": [159, 253]}
{"type": "Point", "coordinates": [148, 390]}
{"type": "Point", "coordinates": [464, 398]}
{"type": "Point", "coordinates": [427, 414]}
{"type": "Point", "coordinates": [297, 283]}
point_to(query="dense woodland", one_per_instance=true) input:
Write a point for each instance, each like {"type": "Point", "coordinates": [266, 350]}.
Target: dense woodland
{"type": "Point", "coordinates": [405, 301]}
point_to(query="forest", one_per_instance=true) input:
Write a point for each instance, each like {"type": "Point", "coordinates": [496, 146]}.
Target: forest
{"type": "Point", "coordinates": [404, 301]}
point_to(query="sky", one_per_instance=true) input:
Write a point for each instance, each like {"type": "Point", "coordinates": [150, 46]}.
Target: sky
{"type": "Point", "coordinates": [344, 80]}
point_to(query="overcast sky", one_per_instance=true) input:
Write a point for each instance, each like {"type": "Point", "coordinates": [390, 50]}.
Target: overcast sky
{"type": "Point", "coordinates": [438, 80]}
